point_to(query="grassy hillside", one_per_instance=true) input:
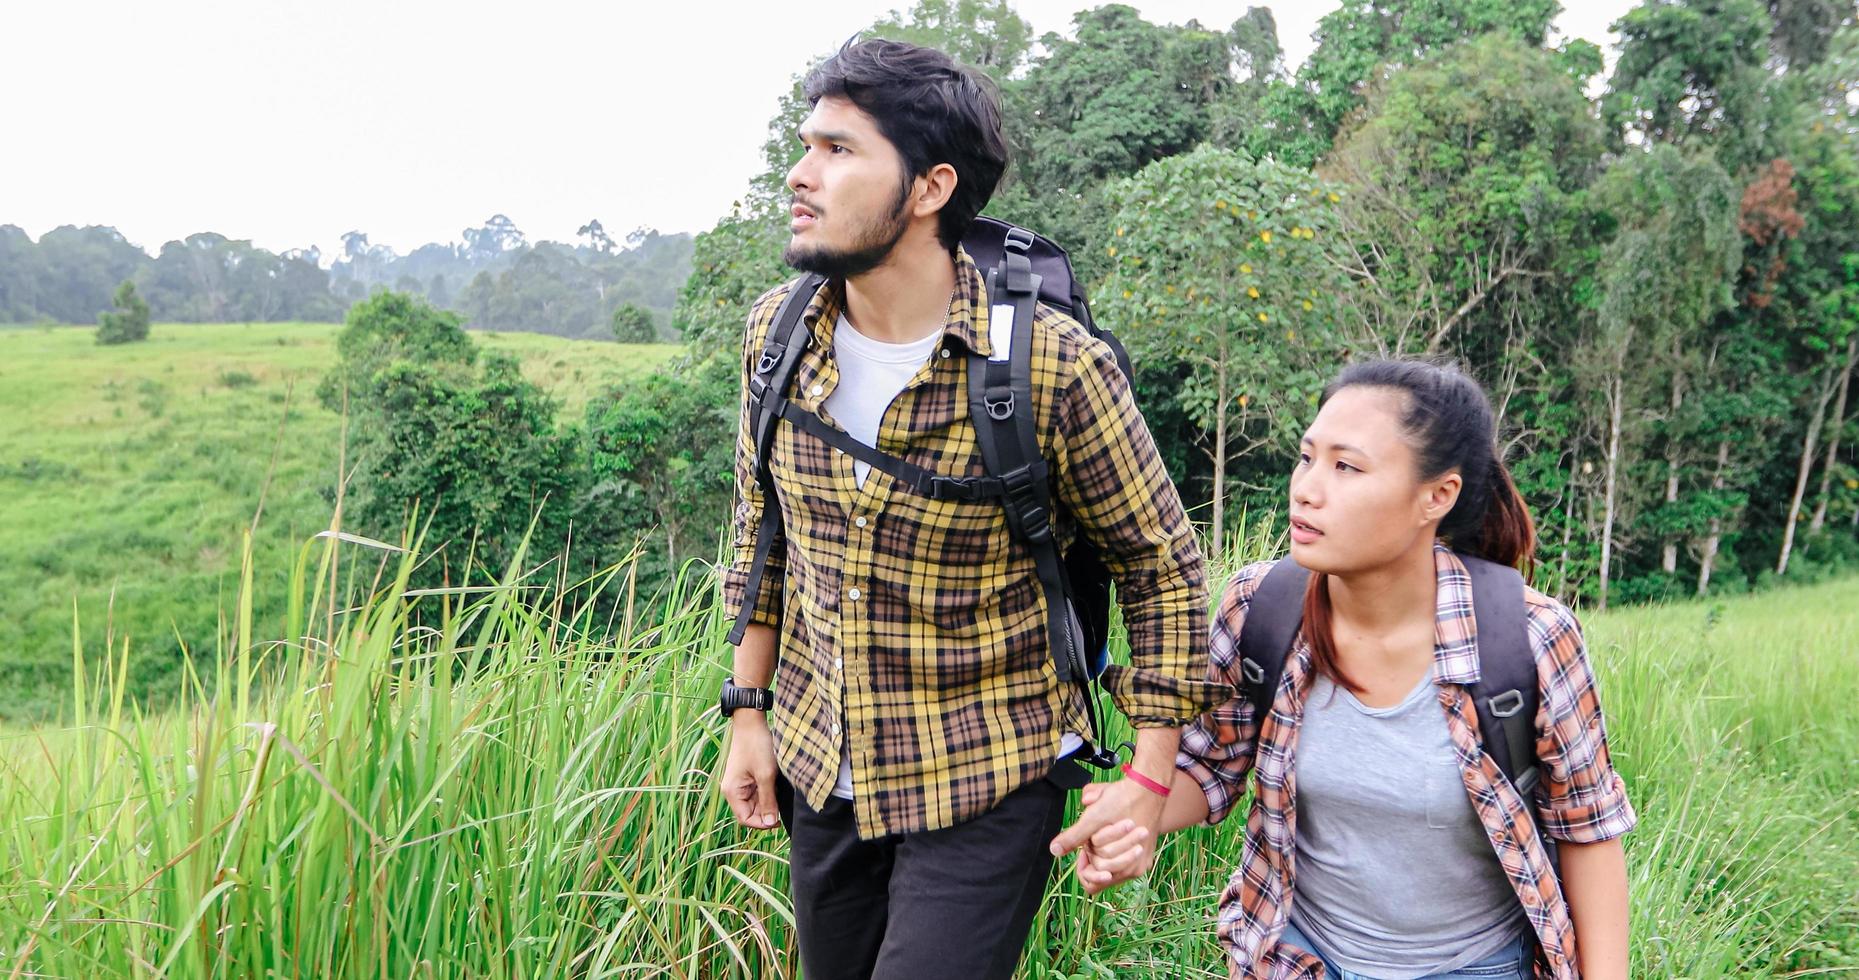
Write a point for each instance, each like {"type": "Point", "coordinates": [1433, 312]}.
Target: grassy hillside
{"type": "Point", "coordinates": [509, 792]}
{"type": "Point", "coordinates": [129, 474]}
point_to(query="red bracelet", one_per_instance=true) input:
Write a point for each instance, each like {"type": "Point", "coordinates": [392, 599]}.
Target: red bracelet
{"type": "Point", "coordinates": [1144, 781]}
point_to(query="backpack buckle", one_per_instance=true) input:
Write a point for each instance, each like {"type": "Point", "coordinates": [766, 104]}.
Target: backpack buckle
{"type": "Point", "coordinates": [771, 356]}
{"type": "Point", "coordinates": [1018, 239]}
{"type": "Point", "coordinates": [999, 411]}
{"type": "Point", "coordinates": [1506, 704]}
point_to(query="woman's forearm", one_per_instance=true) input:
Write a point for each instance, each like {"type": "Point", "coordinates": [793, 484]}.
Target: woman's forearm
{"type": "Point", "coordinates": [1594, 880]}
{"type": "Point", "coordinates": [1186, 805]}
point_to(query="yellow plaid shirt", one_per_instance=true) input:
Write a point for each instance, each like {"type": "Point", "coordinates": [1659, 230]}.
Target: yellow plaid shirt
{"type": "Point", "coordinates": [915, 629]}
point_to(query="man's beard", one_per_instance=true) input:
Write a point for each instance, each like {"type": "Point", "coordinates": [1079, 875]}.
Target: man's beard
{"type": "Point", "coordinates": [868, 251]}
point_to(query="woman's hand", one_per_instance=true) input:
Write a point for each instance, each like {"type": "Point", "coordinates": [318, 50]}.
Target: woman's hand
{"type": "Point", "coordinates": [1115, 853]}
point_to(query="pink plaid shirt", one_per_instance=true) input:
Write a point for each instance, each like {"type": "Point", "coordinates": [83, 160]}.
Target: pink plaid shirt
{"type": "Point", "coordinates": [1579, 799]}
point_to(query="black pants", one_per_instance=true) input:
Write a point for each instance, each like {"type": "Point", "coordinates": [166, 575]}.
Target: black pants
{"type": "Point", "coordinates": [956, 902]}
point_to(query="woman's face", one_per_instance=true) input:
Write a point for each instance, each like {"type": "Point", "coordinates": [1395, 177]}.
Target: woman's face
{"type": "Point", "coordinates": [1357, 499]}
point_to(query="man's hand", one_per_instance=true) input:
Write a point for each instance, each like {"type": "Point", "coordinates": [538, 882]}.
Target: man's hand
{"type": "Point", "coordinates": [748, 782]}
{"type": "Point", "coordinates": [1115, 811]}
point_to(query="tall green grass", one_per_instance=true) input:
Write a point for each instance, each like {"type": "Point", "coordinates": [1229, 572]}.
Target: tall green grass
{"type": "Point", "coordinates": [482, 782]}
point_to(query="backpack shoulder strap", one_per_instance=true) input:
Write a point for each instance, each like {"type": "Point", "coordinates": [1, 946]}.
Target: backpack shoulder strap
{"type": "Point", "coordinates": [1000, 404]}
{"type": "Point", "coordinates": [1506, 695]}
{"type": "Point", "coordinates": [1273, 616]}
{"type": "Point", "coordinates": [768, 383]}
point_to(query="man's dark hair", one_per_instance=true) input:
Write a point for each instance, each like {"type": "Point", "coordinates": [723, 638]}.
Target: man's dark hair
{"type": "Point", "coordinates": [933, 109]}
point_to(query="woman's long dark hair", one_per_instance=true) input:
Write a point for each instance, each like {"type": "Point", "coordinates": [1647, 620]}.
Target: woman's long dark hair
{"type": "Point", "coordinates": [1449, 421]}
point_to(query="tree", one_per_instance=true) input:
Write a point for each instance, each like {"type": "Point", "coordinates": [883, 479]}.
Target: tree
{"type": "Point", "coordinates": [1667, 270]}
{"type": "Point", "coordinates": [1223, 263]}
{"type": "Point", "coordinates": [596, 236]}
{"type": "Point", "coordinates": [386, 329]}
{"type": "Point", "coordinates": [633, 324]}
{"type": "Point", "coordinates": [985, 34]}
{"type": "Point", "coordinates": [1691, 70]}
{"type": "Point", "coordinates": [128, 322]}
{"type": "Point", "coordinates": [490, 241]}
{"type": "Point", "coordinates": [660, 453]}
{"type": "Point", "coordinates": [463, 442]}
{"type": "Point", "coordinates": [474, 454]}
{"type": "Point", "coordinates": [1465, 176]}
{"type": "Point", "coordinates": [1363, 43]}
{"type": "Point", "coordinates": [80, 268]}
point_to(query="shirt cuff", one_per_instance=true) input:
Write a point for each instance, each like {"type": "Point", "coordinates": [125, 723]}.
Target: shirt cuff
{"type": "Point", "coordinates": [1607, 816]}
{"type": "Point", "coordinates": [767, 605]}
{"type": "Point", "coordinates": [1220, 796]}
{"type": "Point", "coordinates": [1150, 698]}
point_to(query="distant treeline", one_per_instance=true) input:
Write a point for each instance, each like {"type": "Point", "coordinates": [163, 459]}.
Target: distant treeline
{"type": "Point", "coordinates": [496, 278]}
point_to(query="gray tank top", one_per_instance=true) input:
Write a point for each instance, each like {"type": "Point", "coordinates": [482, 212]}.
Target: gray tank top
{"type": "Point", "coordinates": [1395, 876]}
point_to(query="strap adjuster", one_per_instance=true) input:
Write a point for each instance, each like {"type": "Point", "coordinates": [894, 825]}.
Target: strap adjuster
{"type": "Point", "coordinates": [771, 356]}
{"type": "Point", "coordinates": [999, 411]}
{"type": "Point", "coordinates": [1506, 704]}
{"type": "Point", "coordinates": [1254, 674]}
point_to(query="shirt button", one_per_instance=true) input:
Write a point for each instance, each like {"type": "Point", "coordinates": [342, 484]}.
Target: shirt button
{"type": "Point", "coordinates": [853, 594]}
{"type": "Point", "coordinates": [945, 353]}
{"type": "Point", "coordinates": [835, 729]}
{"type": "Point", "coordinates": [861, 522]}
{"type": "Point", "coordinates": [839, 663]}
{"type": "Point", "coordinates": [819, 390]}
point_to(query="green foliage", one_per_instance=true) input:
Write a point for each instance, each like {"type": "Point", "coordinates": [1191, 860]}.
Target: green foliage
{"type": "Point", "coordinates": [1693, 70]}
{"type": "Point", "coordinates": [633, 324]}
{"type": "Point", "coordinates": [660, 456]}
{"type": "Point", "coordinates": [1675, 247]}
{"type": "Point", "coordinates": [1120, 95]}
{"type": "Point", "coordinates": [128, 322]}
{"type": "Point", "coordinates": [1466, 176]}
{"type": "Point", "coordinates": [553, 288]}
{"type": "Point", "coordinates": [1226, 265]}
{"type": "Point", "coordinates": [383, 330]}
{"type": "Point", "coordinates": [986, 34]}
{"type": "Point", "coordinates": [472, 455]}
{"type": "Point", "coordinates": [735, 262]}
{"type": "Point", "coordinates": [466, 446]}
{"type": "Point", "coordinates": [1363, 43]}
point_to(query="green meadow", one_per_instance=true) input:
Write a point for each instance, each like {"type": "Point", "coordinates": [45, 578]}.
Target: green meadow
{"type": "Point", "coordinates": [465, 783]}
{"type": "Point", "coordinates": [129, 473]}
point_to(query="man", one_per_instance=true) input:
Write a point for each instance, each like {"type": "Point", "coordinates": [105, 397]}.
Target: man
{"type": "Point", "coordinates": [912, 745]}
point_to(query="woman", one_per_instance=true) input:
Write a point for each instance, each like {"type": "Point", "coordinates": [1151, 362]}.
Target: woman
{"type": "Point", "coordinates": [1384, 841]}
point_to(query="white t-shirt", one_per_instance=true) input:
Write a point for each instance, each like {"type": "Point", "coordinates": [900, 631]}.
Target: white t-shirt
{"type": "Point", "coordinates": [872, 374]}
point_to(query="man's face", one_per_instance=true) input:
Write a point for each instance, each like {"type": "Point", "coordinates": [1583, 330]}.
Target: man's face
{"type": "Point", "coordinates": [851, 200]}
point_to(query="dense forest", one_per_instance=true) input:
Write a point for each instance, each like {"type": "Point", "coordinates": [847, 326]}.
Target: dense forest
{"type": "Point", "coordinates": [495, 277]}
{"type": "Point", "coordinates": [1656, 271]}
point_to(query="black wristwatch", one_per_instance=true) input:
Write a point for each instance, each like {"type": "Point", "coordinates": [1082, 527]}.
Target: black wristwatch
{"type": "Point", "coordinates": [733, 697]}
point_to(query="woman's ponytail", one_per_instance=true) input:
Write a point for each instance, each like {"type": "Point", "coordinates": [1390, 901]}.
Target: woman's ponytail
{"type": "Point", "coordinates": [1507, 535]}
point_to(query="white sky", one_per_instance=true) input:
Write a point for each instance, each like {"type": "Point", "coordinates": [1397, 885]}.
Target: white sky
{"type": "Point", "coordinates": [291, 123]}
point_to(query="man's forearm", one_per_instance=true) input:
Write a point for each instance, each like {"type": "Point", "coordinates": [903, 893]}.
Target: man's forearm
{"type": "Point", "coordinates": [1155, 753]}
{"type": "Point", "coordinates": [754, 663]}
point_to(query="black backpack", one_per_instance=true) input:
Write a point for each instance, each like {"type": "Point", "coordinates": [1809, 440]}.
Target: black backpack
{"type": "Point", "coordinates": [1022, 269]}
{"type": "Point", "coordinates": [1505, 696]}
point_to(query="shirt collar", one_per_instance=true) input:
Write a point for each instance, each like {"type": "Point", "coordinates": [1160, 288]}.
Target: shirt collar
{"type": "Point", "coordinates": [1455, 628]}
{"type": "Point", "coordinates": [968, 309]}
